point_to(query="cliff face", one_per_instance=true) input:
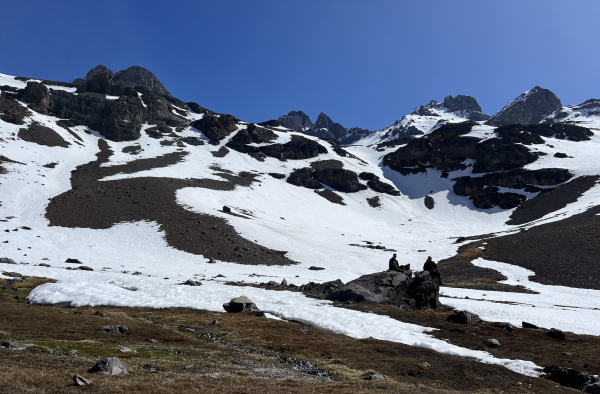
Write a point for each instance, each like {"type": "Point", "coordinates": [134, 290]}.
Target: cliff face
{"type": "Point", "coordinates": [296, 120]}
{"type": "Point", "coordinates": [529, 108]}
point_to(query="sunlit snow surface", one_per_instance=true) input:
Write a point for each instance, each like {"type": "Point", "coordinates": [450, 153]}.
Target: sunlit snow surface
{"type": "Point", "coordinates": [282, 217]}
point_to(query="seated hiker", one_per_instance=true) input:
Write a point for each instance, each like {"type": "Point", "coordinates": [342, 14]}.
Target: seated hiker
{"type": "Point", "coordinates": [394, 266]}
{"type": "Point", "coordinates": [431, 266]}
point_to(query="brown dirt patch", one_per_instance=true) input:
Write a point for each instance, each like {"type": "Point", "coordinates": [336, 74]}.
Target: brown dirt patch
{"type": "Point", "coordinates": [558, 198]}
{"type": "Point", "coordinates": [42, 135]}
{"type": "Point", "coordinates": [458, 271]}
{"type": "Point", "coordinates": [101, 204]}
{"type": "Point", "coordinates": [562, 253]}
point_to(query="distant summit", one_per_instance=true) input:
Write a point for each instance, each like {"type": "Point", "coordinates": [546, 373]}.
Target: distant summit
{"type": "Point", "coordinates": [296, 120]}
{"type": "Point", "coordinates": [133, 77]}
{"type": "Point", "coordinates": [462, 106]}
{"type": "Point", "coordinates": [529, 108]}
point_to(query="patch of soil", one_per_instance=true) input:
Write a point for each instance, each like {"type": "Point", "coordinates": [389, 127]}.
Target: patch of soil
{"type": "Point", "coordinates": [458, 271]}
{"type": "Point", "coordinates": [331, 196]}
{"type": "Point", "coordinates": [561, 253]}
{"type": "Point", "coordinates": [42, 135]}
{"type": "Point", "coordinates": [374, 202]}
{"type": "Point", "coordinates": [242, 353]}
{"type": "Point", "coordinates": [558, 198]}
{"type": "Point", "coordinates": [134, 149]}
{"type": "Point", "coordinates": [100, 205]}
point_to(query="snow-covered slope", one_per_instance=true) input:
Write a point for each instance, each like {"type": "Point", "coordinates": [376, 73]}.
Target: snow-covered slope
{"type": "Point", "coordinates": [268, 213]}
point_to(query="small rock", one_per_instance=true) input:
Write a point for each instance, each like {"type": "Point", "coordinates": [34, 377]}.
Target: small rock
{"type": "Point", "coordinates": [116, 330]}
{"type": "Point", "coordinates": [81, 381]}
{"type": "Point", "coordinates": [25, 228]}
{"type": "Point", "coordinates": [303, 329]}
{"type": "Point", "coordinates": [151, 340]}
{"type": "Point", "coordinates": [43, 265]}
{"type": "Point", "coordinates": [125, 350]}
{"type": "Point", "coordinates": [85, 268]}
{"type": "Point", "coordinates": [10, 345]}
{"type": "Point", "coordinates": [374, 376]}
{"type": "Point", "coordinates": [314, 268]}
{"type": "Point", "coordinates": [464, 317]}
{"type": "Point", "coordinates": [211, 261]}
{"type": "Point", "coordinates": [493, 343]}
{"type": "Point", "coordinates": [137, 273]}
{"type": "Point", "coordinates": [190, 282]}
{"type": "Point", "coordinates": [425, 366]}
{"type": "Point", "coordinates": [226, 209]}
{"type": "Point", "coordinates": [102, 315]}
{"type": "Point", "coordinates": [165, 381]}
{"type": "Point", "coordinates": [215, 322]}
{"type": "Point", "coordinates": [73, 261]}
{"type": "Point", "coordinates": [507, 326]}
{"type": "Point", "coordinates": [556, 334]}
{"type": "Point", "coordinates": [272, 283]}
{"type": "Point", "coordinates": [284, 283]}
{"type": "Point", "coordinates": [529, 325]}
{"type": "Point", "coordinates": [110, 366]}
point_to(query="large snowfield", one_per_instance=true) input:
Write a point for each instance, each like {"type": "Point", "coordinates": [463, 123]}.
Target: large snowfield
{"type": "Point", "coordinates": [311, 229]}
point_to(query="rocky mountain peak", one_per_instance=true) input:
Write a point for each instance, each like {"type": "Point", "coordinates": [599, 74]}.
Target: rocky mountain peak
{"type": "Point", "coordinates": [323, 121]}
{"type": "Point", "coordinates": [296, 120]}
{"type": "Point", "coordinates": [529, 108]}
{"type": "Point", "coordinates": [139, 76]}
{"type": "Point", "coordinates": [99, 69]}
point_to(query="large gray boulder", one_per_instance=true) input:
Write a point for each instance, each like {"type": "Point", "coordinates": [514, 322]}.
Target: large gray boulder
{"type": "Point", "coordinates": [109, 366]}
{"type": "Point", "coordinates": [240, 304]}
{"type": "Point", "coordinates": [397, 288]}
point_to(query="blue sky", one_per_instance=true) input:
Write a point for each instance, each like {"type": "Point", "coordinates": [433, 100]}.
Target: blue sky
{"type": "Point", "coordinates": [364, 63]}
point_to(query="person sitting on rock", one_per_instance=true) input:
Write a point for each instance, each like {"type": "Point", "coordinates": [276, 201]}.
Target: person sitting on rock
{"type": "Point", "coordinates": [394, 266]}
{"type": "Point", "coordinates": [431, 266]}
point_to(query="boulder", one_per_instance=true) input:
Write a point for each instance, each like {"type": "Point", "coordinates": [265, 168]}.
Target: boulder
{"type": "Point", "coordinates": [507, 326]}
{"type": "Point", "coordinates": [464, 317]}
{"type": "Point", "coordinates": [81, 381]}
{"type": "Point", "coordinates": [382, 187]}
{"type": "Point", "coordinates": [556, 334]}
{"type": "Point", "coordinates": [6, 260]}
{"type": "Point", "coordinates": [73, 261]}
{"type": "Point", "coordinates": [240, 304]}
{"type": "Point", "coordinates": [116, 330]}
{"type": "Point", "coordinates": [11, 345]}
{"type": "Point", "coordinates": [529, 325]}
{"type": "Point", "coordinates": [321, 290]}
{"type": "Point", "coordinates": [109, 366]}
{"type": "Point", "coordinates": [303, 177]}
{"type": "Point", "coordinates": [191, 282]}
{"type": "Point", "coordinates": [493, 343]}
{"type": "Point", "coordinates": [298, 148]}
{"type": "Point", "coordinates": [573, 378]}
{"type": "Point", "coordinates": [397, 288]}
{"type": "Point", "coordinates": [85, 268]}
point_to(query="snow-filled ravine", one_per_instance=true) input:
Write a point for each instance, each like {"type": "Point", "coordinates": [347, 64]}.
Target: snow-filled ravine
{"type": "Point", "coordinates": [280, 216]}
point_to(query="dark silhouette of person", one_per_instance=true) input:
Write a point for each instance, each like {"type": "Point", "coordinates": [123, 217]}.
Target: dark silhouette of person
{"type": "Point", "coordinates": [394, 266]}
{"type": "Point", "coordinates": [431, 266]}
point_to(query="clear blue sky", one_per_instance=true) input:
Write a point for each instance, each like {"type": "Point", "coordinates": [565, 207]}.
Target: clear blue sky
{"type": "Point", "coordinates": [364, 63]}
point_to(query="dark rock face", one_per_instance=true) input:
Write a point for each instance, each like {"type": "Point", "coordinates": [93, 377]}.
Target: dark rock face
{"type": "Point", "coordinates": [252, 133]}
{"type": "Point", "coordinates": [331, 196]}
{"type": "Point", "coordinates": [298, 148]}
{"type": "Point", "coordinates": [466, 106]}
{"type": "Point", "coordinates": [321, 290]}
{"type": "Point", "coordinates": [11, 111]}
{"type": "Point", "coordinates": [447, 148]}
{"type": "Point", "coordinates": [326, 164]}
{"type": "Point", "coordinates": [529, 108]}
{"type": "Point", "coordinates": [336, 178]}
{"type": "Point", "coordinates": [42, 135]}
{"type": "Point", "coordinates": [556, 334]}
{"type": "Point", "coordinates": [198, 109]}
{"type": "Point", "coordinates": [485, 193]}
{"type": "Point", "coordinates": [296, 120]}
{"type": "Point", "coordinates": [339, 179]}
{"type": "Point", "coordinates": [324, 127]}
{"type": "Point", "coordinates": [429, 202]}
{"type": "Point", "coordinates": [531, 134]}
{"type": "Point", "coordinates": [99, 69]}
{"type": "Point", "coordinates": [382, 187]}
{"type": "Point", "coordinates": [117, 120]}
{"type": "Point", "coordinates": [271, 123]}
{"type": "Point", "coordinates": [464, 317]}
{"type": "Point", "coordinates": [216, 127]}
{"type": "Point", "coordinates": [136, 76]}
{"type": "Point", "coordinates": [392, 287]}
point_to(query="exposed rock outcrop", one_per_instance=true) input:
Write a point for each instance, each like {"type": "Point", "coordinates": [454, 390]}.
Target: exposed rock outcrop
{"type": "Point", "coordinates": [529, 108]}
{"type": "Point", "coordinates": [296, 120]}
{"type": "Point", "coordinates": [136, 76]}
{"type": "Point", "coordinates": [465, 106]}
{"type": "Point", "coordinates": [216, 127]}
{"type": "Point", "coordinates": [392, 287]}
